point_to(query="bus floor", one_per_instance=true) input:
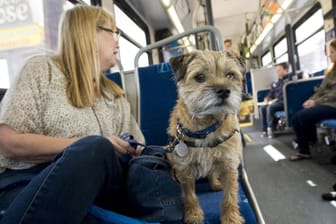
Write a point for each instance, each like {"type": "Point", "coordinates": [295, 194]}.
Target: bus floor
{"type": "Point", "coordinates": [286, 191]}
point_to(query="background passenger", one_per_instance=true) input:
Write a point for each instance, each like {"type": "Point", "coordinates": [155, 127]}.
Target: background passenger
{"type": "Point", "coordinates": [228, 47]}
{"type": "Point", "coordinates": [321, 106]}
{"type": "Point", "coordinates": [59, 127]}
{"type": "Point", "coordinates": [273, 101]}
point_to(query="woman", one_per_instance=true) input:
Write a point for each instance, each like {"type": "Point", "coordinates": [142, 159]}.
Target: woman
{"type": "Point", "coordinates": [59, 127]}
{"type": "Point", "coordinates": [322, 105]}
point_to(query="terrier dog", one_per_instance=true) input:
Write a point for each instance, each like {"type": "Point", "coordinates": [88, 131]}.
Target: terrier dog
{"type": "Point", "coordinates": [204, 129]}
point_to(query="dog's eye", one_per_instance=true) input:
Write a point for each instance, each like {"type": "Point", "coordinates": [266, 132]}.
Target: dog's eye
{"type": "Point", "coordinates": [229, 75]}
{"type": "Point", "coordinates": [200, 77]}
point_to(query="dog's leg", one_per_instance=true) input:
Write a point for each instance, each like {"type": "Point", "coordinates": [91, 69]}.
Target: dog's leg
{"type": "Point", "coordinates": [230, 209]}
{"type": "Point", "coordinates": [193, 214]}
{"type": "Point", "coordinates": [215, 184]}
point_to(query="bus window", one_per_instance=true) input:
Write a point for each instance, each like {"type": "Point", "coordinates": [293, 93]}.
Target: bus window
{"type": "Point", "coordinates": [310, 43]}
{"type": "Point", "coordinates": [127, 49]}
{"type": "Point", "coordinates": [311, 53]}
{"type": "Point", "coordinates": [88, 2]}
{"type": "Point", "coordinates": [310, 26]}
{"type": "Point", "coordinates": [27, 27]}
{"type": "Point", "coordinates": [68, 5]}
{"type": "Point", "coordinates": [280, 51]}
{"type": "Point", "coordinates": [4, 78]}
{"type": "Point", "coordinates": [266, 59]}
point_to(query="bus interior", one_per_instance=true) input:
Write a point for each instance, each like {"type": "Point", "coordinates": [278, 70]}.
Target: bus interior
{"type": "Point", "coordinates": [263, 33]}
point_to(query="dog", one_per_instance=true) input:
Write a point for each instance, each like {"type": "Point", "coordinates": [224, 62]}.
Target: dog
{"type": "Point", "coordinates": [204, 129]}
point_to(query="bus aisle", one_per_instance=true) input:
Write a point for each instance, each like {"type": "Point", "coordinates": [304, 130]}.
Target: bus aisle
{"type": "Point", "coordinates": [288, 192]}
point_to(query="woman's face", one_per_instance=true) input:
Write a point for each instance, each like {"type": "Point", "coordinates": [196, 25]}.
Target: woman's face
{"type": "Point", "coordinates": [332, 54]}
{"type": "Point", "coordinates": [108, 46]}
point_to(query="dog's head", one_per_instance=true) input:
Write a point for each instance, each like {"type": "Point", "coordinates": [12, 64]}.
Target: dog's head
{"type": "Point", "coordinates": [209, 82]}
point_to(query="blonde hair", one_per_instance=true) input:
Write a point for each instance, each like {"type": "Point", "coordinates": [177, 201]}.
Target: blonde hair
{"type": "Point", "coordinates": [78, 55]}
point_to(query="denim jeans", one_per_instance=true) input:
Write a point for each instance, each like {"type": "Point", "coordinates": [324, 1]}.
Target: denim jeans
{"type": "Point", "coordinates": [87, 172]}
{"type": "Point", "coordinates": [304, 124]}
{"type": "Point", "coordinates": [267, 114]}
{"type": "Point", "coordinates": [155, 196]}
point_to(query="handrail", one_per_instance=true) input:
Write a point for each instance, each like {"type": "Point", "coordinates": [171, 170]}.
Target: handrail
{"type": "Point", "coordinates": [219, 45]}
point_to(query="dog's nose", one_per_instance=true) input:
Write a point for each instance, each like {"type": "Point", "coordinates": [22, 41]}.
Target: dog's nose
{"type": "Point", "coordinates": [223, 92]}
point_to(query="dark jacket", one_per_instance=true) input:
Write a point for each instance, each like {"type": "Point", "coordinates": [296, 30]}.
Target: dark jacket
{"type": "Point", "coordinates": [276, 89]}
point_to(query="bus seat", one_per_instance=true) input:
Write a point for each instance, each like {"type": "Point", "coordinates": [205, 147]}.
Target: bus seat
{"type": "Point", "coordinates": [295, 93]}
{"type": "Point", "coordinates": [115, 77]}
{"type": "Point", "coordinates": [248, 83]}
{"type": "Point", "coordinates": [261, 94]}
{"type": "Point", "coordinates": [209, 201]}
{"type": "Point", "coordinates": [329, 123]}
{"type": "Point", "coordinates": [318, 73]}
{"type": "Point", "coordinates": [158, 96]}
{"type": "Point", "coordinates": [281, 117]}
{"type": "Point", "coordinates": [326, 133]}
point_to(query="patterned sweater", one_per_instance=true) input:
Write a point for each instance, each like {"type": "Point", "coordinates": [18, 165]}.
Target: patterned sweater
{"type": "Point", "coordinates": [37, 103]}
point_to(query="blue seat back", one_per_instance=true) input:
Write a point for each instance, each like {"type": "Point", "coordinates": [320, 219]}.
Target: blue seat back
{"type": "Point", "coordinates": [261, 94]}
{"type": "Point", "coordinates": [318, 73]}
{"type": "Point", "coordinates": [248, 81]}
{"type": "Point", "coordinates": [116, 77]}
{"type": "Point", "coordinates": [158, 94]}
{"type": "Point", "coordinates": [295, 93]}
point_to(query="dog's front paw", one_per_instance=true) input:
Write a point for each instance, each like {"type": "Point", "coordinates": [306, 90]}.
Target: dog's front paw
{"type": "Point", "coordinates": [232, 218]}
{"type": "Point", "coordinates": [193, 216]}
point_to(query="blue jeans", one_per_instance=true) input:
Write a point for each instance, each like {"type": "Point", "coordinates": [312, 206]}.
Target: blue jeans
{"type": "Point", "coordinates": [304, 124]}
{"type": "Point", "coordinates": [87, 172]}
{"type": "Point", "coordinates": [267, 114]}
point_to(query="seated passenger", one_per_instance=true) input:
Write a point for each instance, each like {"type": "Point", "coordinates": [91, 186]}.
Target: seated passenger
{"type": "Point", "coordinates": [321, 106]}
{"type": "Point", "coordinates": [59, 128]}
{"type": "Point", "coordinates": [273, 101]}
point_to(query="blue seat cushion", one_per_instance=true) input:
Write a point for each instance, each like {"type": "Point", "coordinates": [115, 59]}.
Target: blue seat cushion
{"type": "Point", "coordinates": [329, 123]}
{"type": "Point", "coordinates": [210, 202]}
{"type": "Point", "coordinates": [280, 114]}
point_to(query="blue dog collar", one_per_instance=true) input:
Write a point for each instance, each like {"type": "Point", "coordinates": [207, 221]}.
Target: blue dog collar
{"type": "Point", "coordinates": [201, 133]}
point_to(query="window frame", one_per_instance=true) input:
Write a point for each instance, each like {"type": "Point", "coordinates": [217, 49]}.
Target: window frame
{"type": "Point", "coordinates": [301, 21]}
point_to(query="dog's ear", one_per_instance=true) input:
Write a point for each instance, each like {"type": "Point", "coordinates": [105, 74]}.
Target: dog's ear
{"type": "Point", "coordinates": [180, 63]}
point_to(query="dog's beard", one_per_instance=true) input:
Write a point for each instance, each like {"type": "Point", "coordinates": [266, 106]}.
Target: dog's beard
{"type": "Point", "coordinates": [206, 102]}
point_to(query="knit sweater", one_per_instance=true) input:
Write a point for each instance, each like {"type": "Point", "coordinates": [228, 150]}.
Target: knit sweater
{"type": "Point", "coordinates": [37, 103]}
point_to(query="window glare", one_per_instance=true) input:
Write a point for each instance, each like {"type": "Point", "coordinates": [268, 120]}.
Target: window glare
{"type": "Point", "coordinates": [128, 26]}
{"type": "Point", "coordinates": [68, 5]}
{"type": "Point", "coordinates": [267, 59]}
{"type": "Point", "coordinates": [312, 24]}
{"type": "Point", "coordinates": [87, 2]}
{"type": "Point", "coordinates": [4, 76]}
{"type": "Point", "coordinates": [280, 47]}
{"type": "Point", "coordinates": [127, 55]}
{"type": "Point", "coordinates": [282, 58]}
{"type": "Point", "coordinates": [311, 53]}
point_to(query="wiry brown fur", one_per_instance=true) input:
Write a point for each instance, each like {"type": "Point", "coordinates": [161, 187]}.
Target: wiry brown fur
{"type": "Point", "coordinates": [200, 75]}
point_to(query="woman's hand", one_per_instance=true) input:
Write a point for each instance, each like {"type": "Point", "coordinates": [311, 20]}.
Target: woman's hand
{"type": "Point", "coordinates": [309, 104]}
{"type": "Point", "coordinates": [121, 146]}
